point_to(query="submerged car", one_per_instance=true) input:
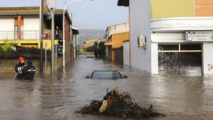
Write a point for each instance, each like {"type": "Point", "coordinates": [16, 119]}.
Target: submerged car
{"type": "Point", "coordinates": [106, 74]}
{"type": "Point", "coordinates": [89, 56]}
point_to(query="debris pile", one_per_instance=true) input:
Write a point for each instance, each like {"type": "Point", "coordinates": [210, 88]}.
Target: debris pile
{"type": "Point", "coordinates": [118, 104]}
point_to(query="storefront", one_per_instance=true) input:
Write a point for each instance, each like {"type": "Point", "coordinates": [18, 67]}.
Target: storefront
{"type": "Point", "coordinates": [184, 44]}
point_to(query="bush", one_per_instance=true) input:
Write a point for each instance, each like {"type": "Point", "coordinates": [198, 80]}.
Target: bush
{"type": "Point", "coordinates": [7, 47]}
{"type": "Point", "coordinates": [1, 49]}
{"type": "Point", "coordinates": [91, 48]}
{"type": "Point", "coordinates": [8, 50]}
{"type": "Point", "coordinates": [102, 49]}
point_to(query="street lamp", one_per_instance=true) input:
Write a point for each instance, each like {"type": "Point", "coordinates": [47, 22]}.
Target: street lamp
{"type": "Point", "coordinates": [64, 27]}
{"type": "Point", "coordinates": [77, 41]}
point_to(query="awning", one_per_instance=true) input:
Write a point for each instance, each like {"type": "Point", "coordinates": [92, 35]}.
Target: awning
{"type": "Point", "coordinates": [75, 30]}
{"type": "Point", "coordinates": [108, 44]}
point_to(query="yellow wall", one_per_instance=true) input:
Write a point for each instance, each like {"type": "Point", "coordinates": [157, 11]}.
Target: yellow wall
{"type": "Point", "coordinates": [33, 43]}
{"type": "Point", "coordinates": [81, 50]}
{"type": "Point", "coordinates": [117, 39]}
{"type": "Point", "coordinates": [171, 8]}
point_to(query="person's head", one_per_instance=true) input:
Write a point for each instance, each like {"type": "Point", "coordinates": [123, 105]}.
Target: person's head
{"type": "Point", "coordinates": [56, 27]}
{"type": "Point", "coordinates": [21, 60]}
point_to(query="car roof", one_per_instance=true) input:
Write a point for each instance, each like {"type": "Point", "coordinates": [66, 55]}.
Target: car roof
{"type": "Point", "coordinates": [104, 70]}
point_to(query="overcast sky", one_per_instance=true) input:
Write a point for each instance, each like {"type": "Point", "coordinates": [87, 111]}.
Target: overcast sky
{"type": "Point", "coordinates": [97, 14]}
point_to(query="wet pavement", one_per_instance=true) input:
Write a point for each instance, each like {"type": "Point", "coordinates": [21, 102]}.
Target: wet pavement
{"type": "Point", "coordinates": [56, 97]}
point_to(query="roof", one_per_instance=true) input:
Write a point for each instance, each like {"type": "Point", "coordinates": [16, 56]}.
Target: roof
{"type": "Point", "coordinates": [108, 44]}
{"type": "Point", "coordinates": [15, 11]}
{"type": "Point", "coordinates": [105, 71]}
{"type": "Point", "coordinates": [96, 39]}
{"type": "Point", "coordinates": [123, 3]}
{"type": "Point", "coordinates": [116, 25]}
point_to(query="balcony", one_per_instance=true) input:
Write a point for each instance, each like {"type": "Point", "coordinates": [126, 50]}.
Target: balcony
{"type": "Point", "coordinates": [26, 35]}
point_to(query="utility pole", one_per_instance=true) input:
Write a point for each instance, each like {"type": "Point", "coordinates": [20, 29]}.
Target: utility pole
{"type": "Point", "coordinates": [97, 34]}
{"type": "Point", "coordinates": [52, 7]}
{"type": "Point", "coordinates": [53, 39]}
{"type": "Point", "coordinates": [65, 26]}
{"type": "Point", "coordinates": [98, 42]}
{"type": "Point", "coordinates": [41, 36]}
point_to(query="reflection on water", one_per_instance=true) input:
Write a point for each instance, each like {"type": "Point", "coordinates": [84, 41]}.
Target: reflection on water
{"type": "Point", "coordinates": [180, 63]}
{"type": "Point", "coordinates": [56, 97]}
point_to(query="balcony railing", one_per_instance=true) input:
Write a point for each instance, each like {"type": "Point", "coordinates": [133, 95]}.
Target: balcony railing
{"type": "Point", "coordinates": [23, 35]}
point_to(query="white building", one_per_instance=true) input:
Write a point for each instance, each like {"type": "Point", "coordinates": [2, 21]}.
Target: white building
{"type": "Point", "coordinates": [160, 28]}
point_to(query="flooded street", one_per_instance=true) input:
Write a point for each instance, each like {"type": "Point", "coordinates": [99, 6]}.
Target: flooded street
{"type": "Point", "coordinates": [180, 97]}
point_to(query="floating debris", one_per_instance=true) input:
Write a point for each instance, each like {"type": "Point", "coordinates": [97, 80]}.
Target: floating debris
{"type": "Point", "coordinates": [118, 104]}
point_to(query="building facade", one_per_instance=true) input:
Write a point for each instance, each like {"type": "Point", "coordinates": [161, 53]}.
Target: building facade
{"type": "Point", "coordinates": [91, 42]}
{"type": "Point", "coordinates": [115, 37]}
{"type": "Point", "coordinates": [22, 25]}
{"type": "Point", "coordinates": [173, 27]}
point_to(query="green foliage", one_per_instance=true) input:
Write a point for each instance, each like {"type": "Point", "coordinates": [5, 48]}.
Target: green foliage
{"type": "Point", "coordinates": [91, 48]}
{"type": "Point", "coordinates": [8, 50]}
{"type": "Point", "coordinates": [99, 50]}
{"type": "Point", "coordinates": [96, 52]}
{"type": "Point", "coordinates": [1, 49]}
{"type": "Point", "coordinates": [102, 49]}
{"type": "Point", "coordinates": [14, 43]}
{"type": "Point", "coordinates": [8, 47]}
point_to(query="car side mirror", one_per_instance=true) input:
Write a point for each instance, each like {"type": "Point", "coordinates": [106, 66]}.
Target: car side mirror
{"type": "Point", "coordinates": [125, 77]}
{"type": "Point", "coordinates": [87, 76]}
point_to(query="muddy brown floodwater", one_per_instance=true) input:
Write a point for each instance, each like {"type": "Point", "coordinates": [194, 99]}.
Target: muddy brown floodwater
{"type": "Point", "coordinates": [56, 97]}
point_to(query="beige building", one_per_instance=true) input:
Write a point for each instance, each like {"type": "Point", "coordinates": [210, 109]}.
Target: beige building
{"type": "Point", "coordinates": [91, 42]}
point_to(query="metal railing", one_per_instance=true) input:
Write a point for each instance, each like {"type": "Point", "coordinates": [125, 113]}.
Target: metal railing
{"type": "Point", "coordinates": [23, 35]}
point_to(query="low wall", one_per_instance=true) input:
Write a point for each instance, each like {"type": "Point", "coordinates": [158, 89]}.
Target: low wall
{"type": "Point", "coordinates": [8, 65]}
{"type": "Point", "coordinates": [88, 53]}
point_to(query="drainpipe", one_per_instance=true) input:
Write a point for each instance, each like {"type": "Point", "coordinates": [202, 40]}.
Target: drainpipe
{"type": "Point", "coordinates": [19, 27]}
{"type": "Point", "coordinates": [129, 41]}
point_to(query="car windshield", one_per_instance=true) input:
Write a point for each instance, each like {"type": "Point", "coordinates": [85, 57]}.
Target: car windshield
{"type": "Point", "coordinates": [106, 75]}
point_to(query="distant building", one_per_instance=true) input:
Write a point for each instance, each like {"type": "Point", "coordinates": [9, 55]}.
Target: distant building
{"type": "Point", "coordinates": [91, 42]}
{"type": "Point", "coordinates": [172, 27]}
{"type": "Point", "coordinates": [116, 35]}
{"type": "Point", "coordinates": [22, 24]}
